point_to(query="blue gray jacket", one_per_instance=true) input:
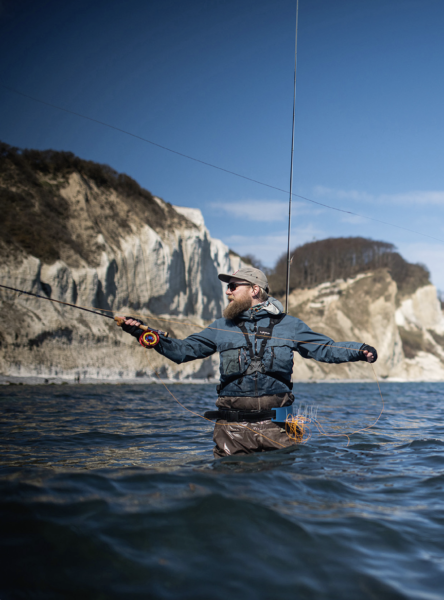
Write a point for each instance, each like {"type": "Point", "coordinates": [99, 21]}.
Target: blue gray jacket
{"type": "Point", "coordinates": [289, 334]}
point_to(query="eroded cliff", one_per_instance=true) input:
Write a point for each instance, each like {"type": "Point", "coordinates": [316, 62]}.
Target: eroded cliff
{"type": "Point", "coordinates": [80, 237]}
{"type": "Point", "coordinates": [407, 330]}
{"type": "Point", "coordinates": [81, 233]}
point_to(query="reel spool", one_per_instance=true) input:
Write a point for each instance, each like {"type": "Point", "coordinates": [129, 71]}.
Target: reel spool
{"type": "Point", "coordinates": [149, 338]}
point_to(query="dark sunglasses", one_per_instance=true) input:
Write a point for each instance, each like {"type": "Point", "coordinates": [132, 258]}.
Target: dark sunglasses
{"type": "Point", "coordinates": [232, 286]}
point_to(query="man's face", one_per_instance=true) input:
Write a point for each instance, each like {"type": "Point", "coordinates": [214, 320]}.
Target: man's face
{"type": "Point", "coordinates": [242, 293]}
{"type": "Point", "coordinates": [241, 297]}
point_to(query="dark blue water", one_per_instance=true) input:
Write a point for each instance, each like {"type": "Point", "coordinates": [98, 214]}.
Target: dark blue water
{"type": "Point", "coordinates": [112, 492]}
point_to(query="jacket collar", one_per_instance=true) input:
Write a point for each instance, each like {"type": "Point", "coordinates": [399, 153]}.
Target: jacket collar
{"type": "Point", "coordinates": [270, 307]}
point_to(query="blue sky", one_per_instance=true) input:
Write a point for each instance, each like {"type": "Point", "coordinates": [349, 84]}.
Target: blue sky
{"type": "Point", "coordinates": [214, 79]}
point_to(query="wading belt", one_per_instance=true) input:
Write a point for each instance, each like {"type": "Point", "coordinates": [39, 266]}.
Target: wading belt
{"type": "Point", "coordinates": [249, 416]}
{"type": "Point", "coordinates": [256, 365]}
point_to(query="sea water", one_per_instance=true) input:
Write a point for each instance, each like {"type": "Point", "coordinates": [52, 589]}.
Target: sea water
{"type": "Point", "coordinates": [111, 491]}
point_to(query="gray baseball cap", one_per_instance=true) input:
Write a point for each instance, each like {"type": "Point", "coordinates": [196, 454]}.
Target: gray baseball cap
{"type": "Point", "coordinates": [250, 274]}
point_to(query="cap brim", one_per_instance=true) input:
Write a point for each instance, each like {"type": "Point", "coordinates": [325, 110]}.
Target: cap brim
{"type": "Point", "coordinates": [225, 278]}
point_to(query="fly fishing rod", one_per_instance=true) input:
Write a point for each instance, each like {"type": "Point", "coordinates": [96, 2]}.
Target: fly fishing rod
{"type": "Point", "coordinates": [287, 289]}
{"type": "Point", "coordinates": [148, 339]}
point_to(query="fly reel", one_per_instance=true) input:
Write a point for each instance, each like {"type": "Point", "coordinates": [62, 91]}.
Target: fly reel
{"type": "Point", "coordinates": [149, 338]}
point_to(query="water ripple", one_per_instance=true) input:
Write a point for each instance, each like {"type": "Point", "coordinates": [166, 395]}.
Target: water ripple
{"type": "Point", "coordinates": [112, 492]}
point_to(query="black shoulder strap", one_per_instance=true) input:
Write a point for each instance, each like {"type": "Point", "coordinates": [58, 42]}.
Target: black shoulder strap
{"type": "Point", "coordinates": [266, 333]}
{"type": "Point", "coordinates": [242, 327]}
{"type": "Point", "coordinates": [263, 332]}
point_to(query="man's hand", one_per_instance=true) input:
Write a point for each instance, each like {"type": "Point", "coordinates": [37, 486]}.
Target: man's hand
{"type": "Point", "coordinates": [369, 353]}
{"type": "Point", "coordinates": [132, 326]}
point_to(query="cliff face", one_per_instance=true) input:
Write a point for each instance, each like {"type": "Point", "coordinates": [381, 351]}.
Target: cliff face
{"type": "Point", "coordinates": [114, 253]}
{"type": "Point", "coordinates": [80, 233]}
{"type": "Point", "coordinates": [406, 330]}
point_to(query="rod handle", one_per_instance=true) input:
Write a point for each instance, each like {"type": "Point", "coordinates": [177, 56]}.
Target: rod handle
{"type": "Point", "coordinates": [121, 320]}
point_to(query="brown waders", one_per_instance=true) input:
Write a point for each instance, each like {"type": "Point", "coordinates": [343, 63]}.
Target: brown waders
{"type": "Point", "coordinates": [233, 438]}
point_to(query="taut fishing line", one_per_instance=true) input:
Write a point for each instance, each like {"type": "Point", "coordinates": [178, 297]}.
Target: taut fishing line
{"type": "Point", "coordinates": [287, 287]}
{"type": "Point", "coordinates": [273, 187]}
{"type": "Point", "coordinates": [297, 426]}
{"type": "Point", "coordinates": [115, 312]}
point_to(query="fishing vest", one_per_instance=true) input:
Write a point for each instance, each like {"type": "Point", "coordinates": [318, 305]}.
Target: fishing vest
{"type": "Point", "coordinates": [256, 365]}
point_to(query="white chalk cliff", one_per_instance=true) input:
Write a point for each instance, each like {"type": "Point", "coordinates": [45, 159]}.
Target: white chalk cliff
{"type": "Point", "coordinates": [168, 276]}
{"type": "Point", "coordinates": [408, 332]}
{"type": "Point", "coordinates": [80, 233]}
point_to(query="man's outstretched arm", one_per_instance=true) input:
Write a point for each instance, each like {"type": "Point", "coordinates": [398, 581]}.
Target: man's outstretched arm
{"type": "Point", "coordinates": [310, 344]}
{"type": "Point", "coordinates": [198, 345]}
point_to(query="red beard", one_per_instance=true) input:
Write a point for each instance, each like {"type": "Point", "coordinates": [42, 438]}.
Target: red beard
{"type": "Point", "coordinates": [236, 307]}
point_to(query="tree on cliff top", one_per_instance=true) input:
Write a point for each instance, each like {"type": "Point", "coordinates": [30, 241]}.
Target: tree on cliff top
{"type": "Point", "coordinates": [340, 258]}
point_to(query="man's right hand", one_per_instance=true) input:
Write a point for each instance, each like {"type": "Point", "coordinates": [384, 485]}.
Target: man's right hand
{"type": "Point", "coordinates": [132, 326]}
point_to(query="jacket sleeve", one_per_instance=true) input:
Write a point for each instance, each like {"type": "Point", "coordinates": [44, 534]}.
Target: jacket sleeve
{"type": "Point", "coordinates": [310, 344]}
{"type": "Point", "coordinates": [198, 345]}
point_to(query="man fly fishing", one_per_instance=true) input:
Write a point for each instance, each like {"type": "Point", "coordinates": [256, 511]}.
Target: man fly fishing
{"type": "Point", "coordinates": [256, 341]}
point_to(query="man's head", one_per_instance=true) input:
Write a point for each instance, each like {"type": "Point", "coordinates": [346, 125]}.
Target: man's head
{"type": "Point", "coordinates": [246, 288]}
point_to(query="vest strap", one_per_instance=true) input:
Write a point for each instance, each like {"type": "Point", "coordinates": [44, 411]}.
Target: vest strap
{"type": "Point", "coordinates": [256, 365]}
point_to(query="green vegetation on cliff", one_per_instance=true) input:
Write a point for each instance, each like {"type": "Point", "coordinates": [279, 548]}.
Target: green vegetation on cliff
{"type": "Point", "coordinates": [341, 258]}
{"type": "Point", "coordinates": [37, 218]}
